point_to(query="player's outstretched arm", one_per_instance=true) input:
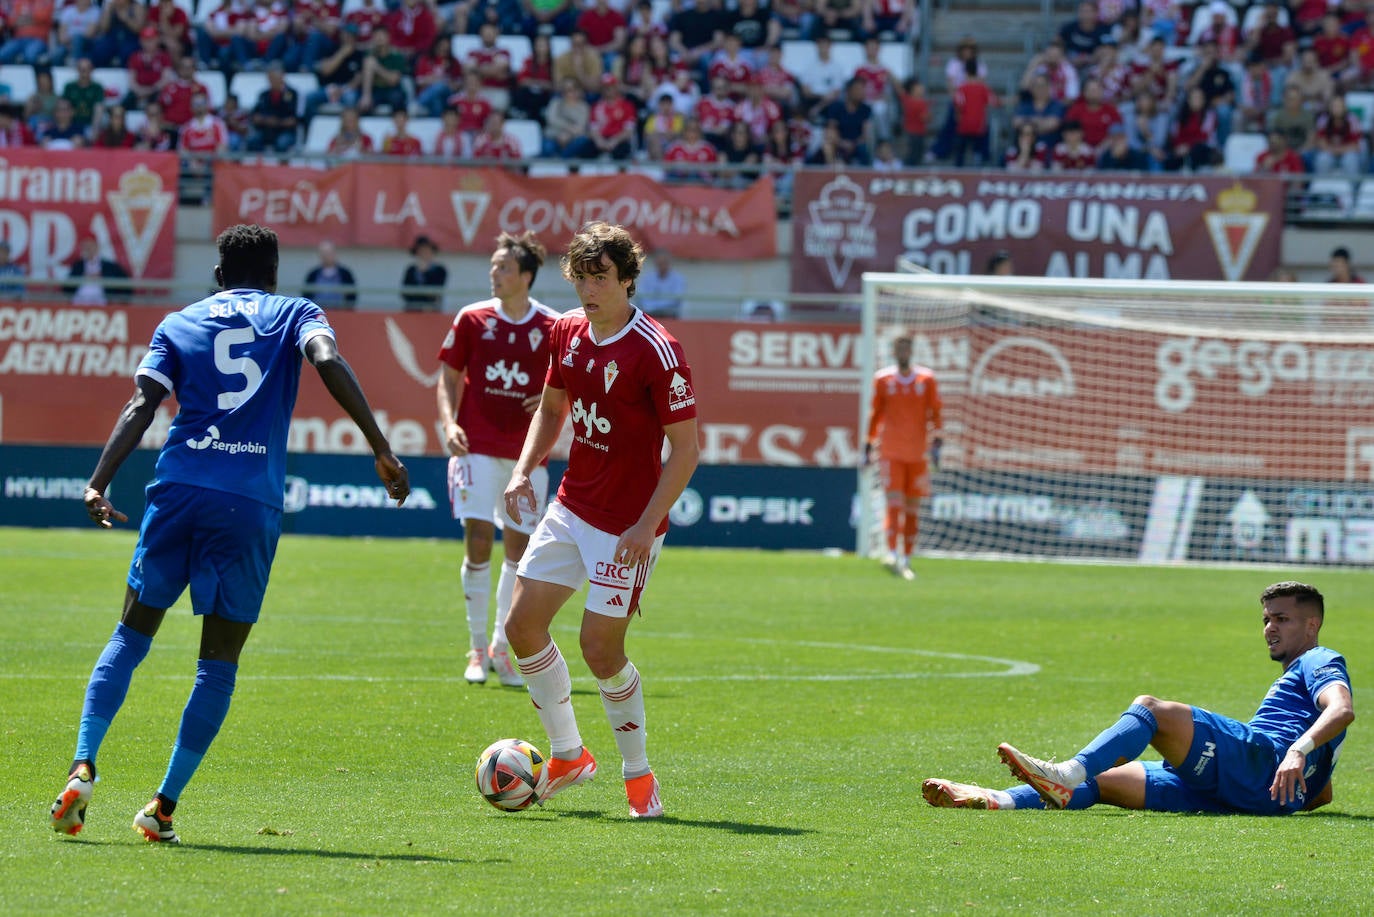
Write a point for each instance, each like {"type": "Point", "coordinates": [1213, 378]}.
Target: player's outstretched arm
{"type": "Point", "coordinates": [342, 384]}
{"type": "Point", "coordinates": [129, 428]}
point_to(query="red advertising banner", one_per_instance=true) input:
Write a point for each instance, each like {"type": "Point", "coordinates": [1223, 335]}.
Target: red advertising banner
{"type": "Point", "coordinates": [127, 200]}
{"type": "Point", "coordinates": [1017, 398]}
{"type": "Point", "coordinates": [1155, 228]}
{"type": "Point", "coordinates": [387, 205]}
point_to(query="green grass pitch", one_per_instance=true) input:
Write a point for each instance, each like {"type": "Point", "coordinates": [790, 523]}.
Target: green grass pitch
{"type": "Point", "coordinates": [795, 702]}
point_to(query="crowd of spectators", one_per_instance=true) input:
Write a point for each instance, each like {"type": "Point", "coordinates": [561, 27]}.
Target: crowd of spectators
{"type": "Point", "coordinates": [1163, 85]}
{"type": "Point", "coordinates": [688, 83]}
{"type": "Point", "coordinates": [1126, 84]}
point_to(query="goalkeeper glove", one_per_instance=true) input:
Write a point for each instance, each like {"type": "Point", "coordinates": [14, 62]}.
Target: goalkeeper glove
{"type": "Point", "coordinates": [936, 445]}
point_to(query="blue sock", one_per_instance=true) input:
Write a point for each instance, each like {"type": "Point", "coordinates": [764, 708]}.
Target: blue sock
{"type": "Point", "coordinates": [1127, 738]}
{"type": "Point", "coordinates": [200, 722]}
{"type": "Point", "coordinates": [1084, 795]}
{"type": "Point", "coordinates": [108, 686]}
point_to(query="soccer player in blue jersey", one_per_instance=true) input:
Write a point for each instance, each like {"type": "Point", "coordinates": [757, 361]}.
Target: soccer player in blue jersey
{"type": "Point", "coordinates": [215, 504]}
{"type": "Point", "coordinates": [1279, 762]}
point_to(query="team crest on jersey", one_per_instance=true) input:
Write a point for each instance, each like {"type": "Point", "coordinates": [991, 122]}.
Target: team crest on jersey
{"type": "Point", "coordinates": [535, 337]}
{"type": "Point", "coordinates": [680, 394]}
{"type": "Point", "coordinates": [490, 333]}
{"type": "Point", "coordinates": [610, 371]}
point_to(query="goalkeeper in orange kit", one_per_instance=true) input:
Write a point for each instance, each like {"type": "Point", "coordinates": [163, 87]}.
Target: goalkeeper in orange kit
{"type": "Point", "coordinates": [903, 427]}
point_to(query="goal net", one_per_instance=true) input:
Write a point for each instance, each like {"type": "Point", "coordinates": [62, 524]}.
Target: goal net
{"type": "Point", "coordinates": [1159, 422]}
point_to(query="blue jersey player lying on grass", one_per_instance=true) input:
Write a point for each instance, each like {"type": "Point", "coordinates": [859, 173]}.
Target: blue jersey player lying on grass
{"type": "Point", "coordinates": [1278, 763]}
{"type": "Point", "coordinates": [215, 504]}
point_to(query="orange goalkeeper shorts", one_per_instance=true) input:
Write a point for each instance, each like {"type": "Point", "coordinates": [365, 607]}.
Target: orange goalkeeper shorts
{"type": "Point", "coordinates": [910, 479]}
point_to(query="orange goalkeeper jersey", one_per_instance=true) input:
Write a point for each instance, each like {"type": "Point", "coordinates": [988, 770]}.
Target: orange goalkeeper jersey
{"type": "Point", "coordinates": [906, 408]}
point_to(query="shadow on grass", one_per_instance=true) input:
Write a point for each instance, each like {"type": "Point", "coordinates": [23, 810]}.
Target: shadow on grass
{"type": "Point", "coordinates": [326, 854]}
{"type": "Point", "coordinates": [734, 827]}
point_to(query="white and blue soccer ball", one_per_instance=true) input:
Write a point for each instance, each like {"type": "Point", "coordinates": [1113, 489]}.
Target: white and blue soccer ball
{"type": "Point", "coordinates": [511, 774]}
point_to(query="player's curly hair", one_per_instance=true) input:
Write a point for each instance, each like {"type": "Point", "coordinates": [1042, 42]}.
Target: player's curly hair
{"type": "Point", "coordinates": [1303, 593]}
{"type": "Point", "coordinates": [248, 256]}
{"type": "Point", "coordinates": [596, 239]}
{"type": "Point", "coordinates": [529, 253]}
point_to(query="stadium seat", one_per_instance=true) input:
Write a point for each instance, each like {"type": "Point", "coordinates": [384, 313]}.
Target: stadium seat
{"type": "Point", "coordinates": [61, 76]}
{"type": "Point", "coordinates": [248, 85]}
{"type": "Point", "coordinates": [426, 130]}
{"type": "Point", "coordinates": [376, 127]}
{"type": "Point", "coordinates": [1242, 150]}
{"type": "Point", "coordinates": [1202, 18]}
{"type": "Point", "coordinates": [216, 85]}
{"type": "Point", "coordinates": [1364, 201]}
{"type": "Point", "coordinates": [548, 169]}
{"type": "Point", "coordinates": [1252, 18]}
{"type": "Point", "coordinates": [17, 82]}
{"type": "Point", "coordinates": [1361, 105]}
{"type": "Point", "coordinates": [530, 135]}
{"type": "Point", "coordinates": [517, 46]}
{"type": "Point", "coordinates": [1328, 198]}
{"type": "Point", "coordinates": [116, 81]}
{"type": "Point", "coordinates": [800, 56]}
{"type": "Point", "coordinates": [322, 130]}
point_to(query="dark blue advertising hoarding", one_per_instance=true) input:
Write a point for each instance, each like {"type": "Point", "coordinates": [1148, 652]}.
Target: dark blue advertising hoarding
{"type": "Point", "coordinates": [750, 506]}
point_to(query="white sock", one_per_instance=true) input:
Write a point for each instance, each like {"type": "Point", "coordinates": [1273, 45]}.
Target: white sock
{"type": "Point", "coordinates": [550, 685]}
{"type": "Point", "coordinates": [476, 590]}
{"type": "Point", "coordinates": [1003, 799]}
{"type": "Point", "coordinates": [623, 697]}
{"type": "Point", "coordinates": [505, 590]}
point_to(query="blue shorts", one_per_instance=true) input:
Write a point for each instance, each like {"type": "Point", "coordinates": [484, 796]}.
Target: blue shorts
{"type": "Point", "coordinates": [1229, 768]}
{"type": "Point", "coordinates": [218, 543]}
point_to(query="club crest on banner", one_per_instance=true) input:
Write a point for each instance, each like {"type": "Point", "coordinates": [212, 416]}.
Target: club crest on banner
{"type": "Point", "coordinates": [139, 208]}
{"type": "Point", "coordinates": [1235, 229]}
{"type": "Point", "coordinates": [840, 230]}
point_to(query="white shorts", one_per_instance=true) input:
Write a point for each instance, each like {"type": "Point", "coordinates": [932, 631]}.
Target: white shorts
{"type": "Point", "coordinates": [567, 551]}
{"type": "Point", "coordinates": [477, 489]}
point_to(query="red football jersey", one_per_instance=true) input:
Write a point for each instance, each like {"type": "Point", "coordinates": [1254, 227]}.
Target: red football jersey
{"type": "Point", "coordinates": [609, 118]}
{"type": "Point", "coordinates": [504, 147]}
{"type": "Point", "coordinates": [482, 56]}
{"type": "Point", "coordinates": [472, 111]}
{"type": "Point", "coordinates": [623, 391]}
{"type": "Point", "coordinates": [206, 136]}
{"type": "Point", "coordinates": [682, 151]}
{"type": "Point", "coordinates": [715, 115]}
{"type": "Point", "coordinates": [503, 363]}
{"type": "Point", "coordinates": [759, 117]}
{"type": "Point", "coordinates": [146, 70]}
{"type": "Point", "coordinates": [409, 145]}
{"type": "Point", "coordinates": [176, 99]}
{"type": "Point", "coordinates": [875, 79]}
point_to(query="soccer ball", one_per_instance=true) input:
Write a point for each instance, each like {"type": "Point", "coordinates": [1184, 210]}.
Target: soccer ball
{"type": "Point", "coordinates": [511, 774]}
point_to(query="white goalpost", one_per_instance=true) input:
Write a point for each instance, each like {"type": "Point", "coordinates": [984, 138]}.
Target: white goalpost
{"type": "Point", "coordinates": [1143, 421]}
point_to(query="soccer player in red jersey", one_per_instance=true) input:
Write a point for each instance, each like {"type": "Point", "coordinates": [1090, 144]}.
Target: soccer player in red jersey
{"type": "Point", "coordinates": [493, 364]}
{"type": "Point", "coordinates": [904, 414]}
{"type": "Point", "coordinates": [626, 382]}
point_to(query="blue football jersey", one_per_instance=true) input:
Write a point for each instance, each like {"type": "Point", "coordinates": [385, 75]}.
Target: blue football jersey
{"type": "Point", "coordinates": [1290, 708]}
{"type": "Point", "coordinates": [233, 360]}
